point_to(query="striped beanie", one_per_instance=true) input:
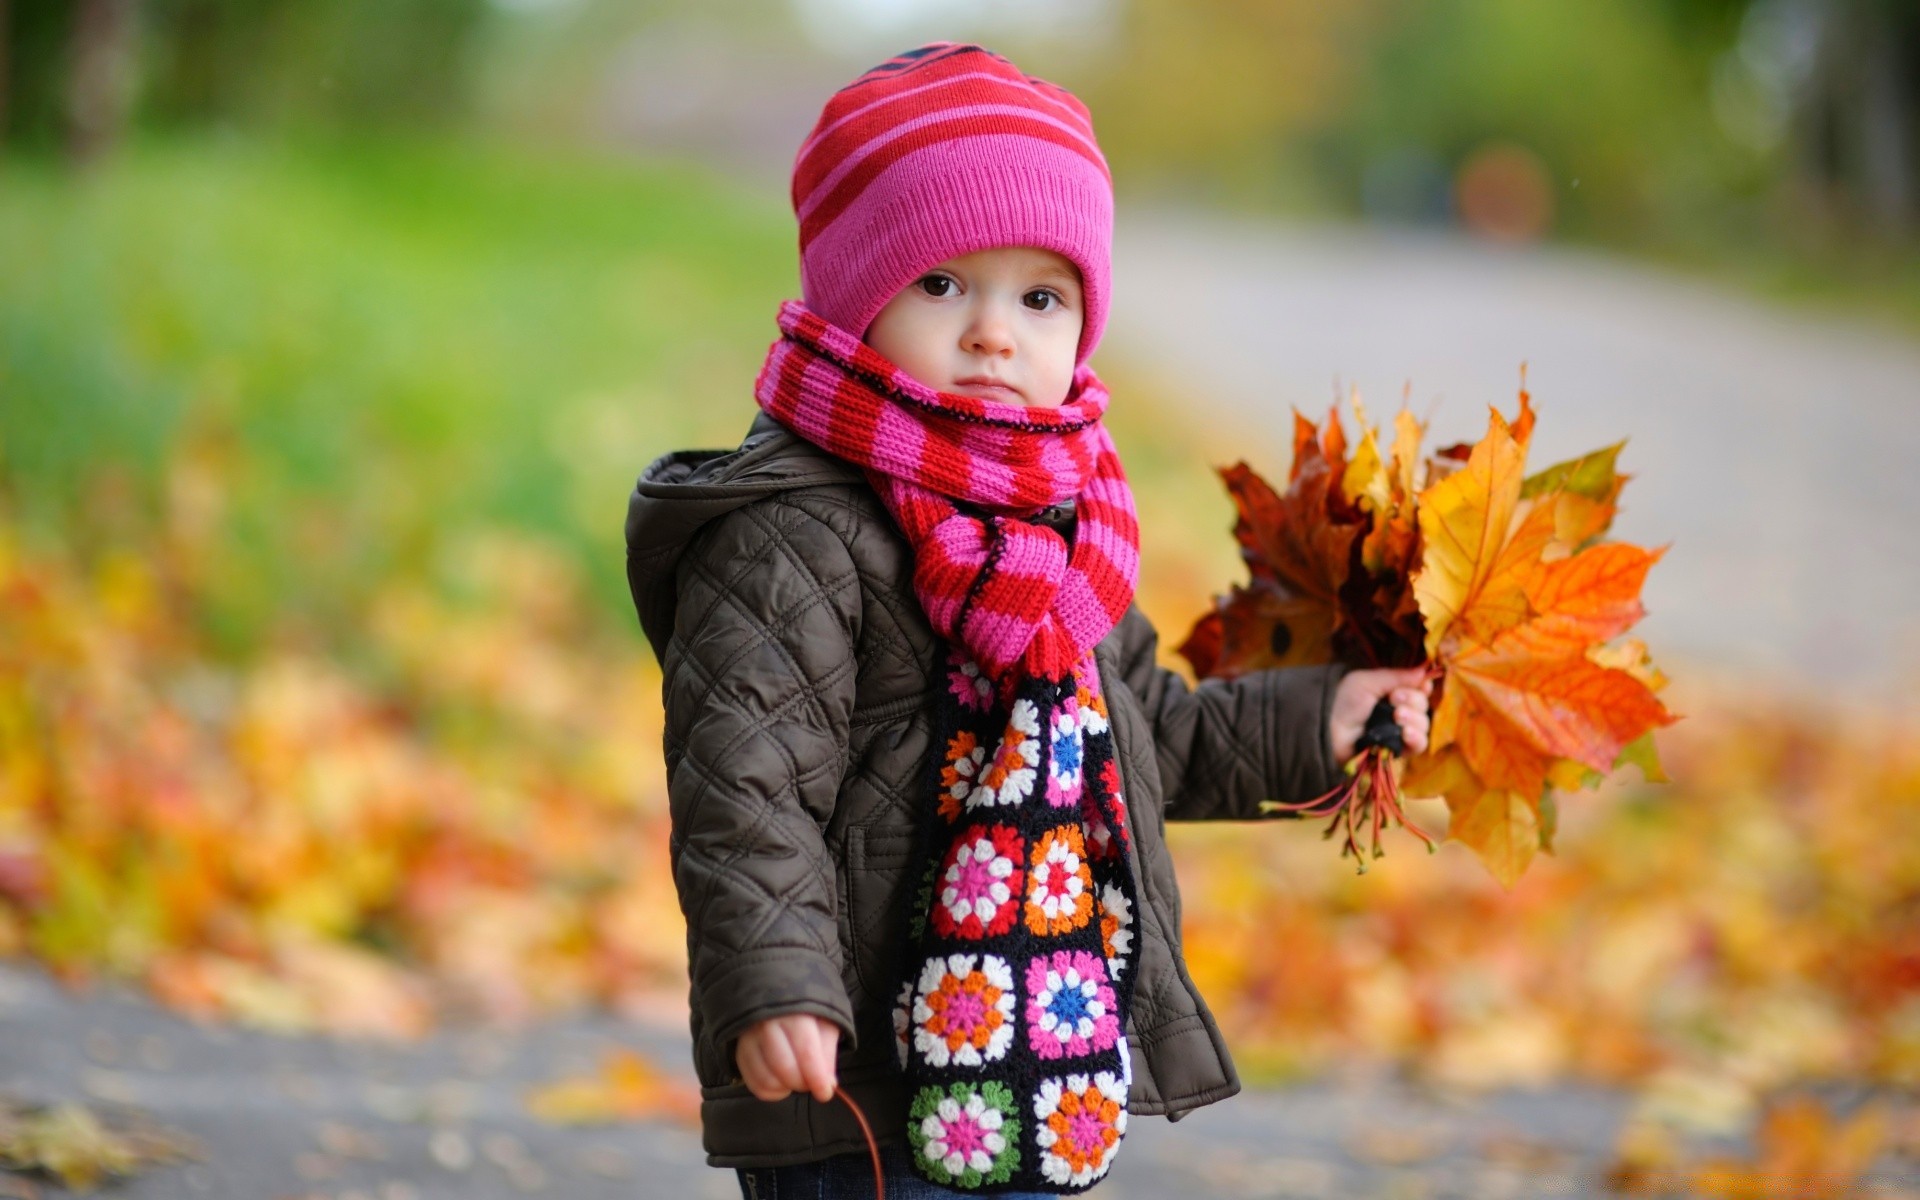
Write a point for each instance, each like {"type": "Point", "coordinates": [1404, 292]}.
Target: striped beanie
{"type": "Point", "coordinates": [938, 152]}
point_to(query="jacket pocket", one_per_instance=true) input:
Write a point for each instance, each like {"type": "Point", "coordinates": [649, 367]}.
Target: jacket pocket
{"type": "Point", "coordinates": [875, 891]}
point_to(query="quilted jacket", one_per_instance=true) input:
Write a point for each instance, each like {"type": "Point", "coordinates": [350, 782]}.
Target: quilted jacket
{"type": "Point", "coordinates": [799, 686]}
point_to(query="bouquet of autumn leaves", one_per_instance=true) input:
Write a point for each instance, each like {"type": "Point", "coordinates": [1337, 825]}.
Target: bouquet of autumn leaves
{"type": "Point", "coordinates": [1501, 582]}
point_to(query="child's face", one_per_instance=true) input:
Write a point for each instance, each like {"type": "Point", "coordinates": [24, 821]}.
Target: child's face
{"type": "Point", "coordinates": [1001, 324]}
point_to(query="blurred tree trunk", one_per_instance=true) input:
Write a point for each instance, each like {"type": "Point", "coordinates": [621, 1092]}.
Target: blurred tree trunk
{"type": "Point", "coordinates": [1859, 136]}
{"type": "Point", "coordinates": [101, 84]}
{"type": "Point", "coordinates": [5, 80]}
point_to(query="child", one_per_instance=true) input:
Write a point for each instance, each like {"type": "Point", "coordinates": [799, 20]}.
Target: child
{"type": "Point", "coordinates": [919, 750]}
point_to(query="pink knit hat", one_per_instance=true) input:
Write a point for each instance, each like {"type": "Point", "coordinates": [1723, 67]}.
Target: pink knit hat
{"type": "Point", "coordinates": [939, 152]}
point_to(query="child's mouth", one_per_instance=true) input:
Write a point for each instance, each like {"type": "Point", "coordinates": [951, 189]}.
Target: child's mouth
{"type": "Point", "coordinates": [991, 391]}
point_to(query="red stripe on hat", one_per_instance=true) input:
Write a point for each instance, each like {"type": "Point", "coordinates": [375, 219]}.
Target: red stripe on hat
{"type": "Point", "coordinates": [830, 145]}
{"type": "Point", "coordinates": [1002, 124]}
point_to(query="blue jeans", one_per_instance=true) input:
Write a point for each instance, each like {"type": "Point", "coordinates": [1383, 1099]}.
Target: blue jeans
{"type": "Point", "coordinates": [850, 1177]}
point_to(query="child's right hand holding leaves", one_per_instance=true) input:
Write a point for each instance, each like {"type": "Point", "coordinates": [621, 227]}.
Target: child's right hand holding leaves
{"type": "Point", "coordinates": [794, 1053]}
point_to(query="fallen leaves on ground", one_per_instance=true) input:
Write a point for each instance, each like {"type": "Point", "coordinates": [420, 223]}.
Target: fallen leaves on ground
{"type": "Point", "coordinates": [73, 1144]}
{"type": "Point", "coordinates": [626, 1087]}
{"type": "Point", "coordinates": [1801, 1149]}
{"type": "Point", "coordinates": [468, 818]}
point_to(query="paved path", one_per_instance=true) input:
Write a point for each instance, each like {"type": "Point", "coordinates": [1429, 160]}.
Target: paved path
{"type": "Point", "coordinates": [1779, 452]}
{"type": "Point", "coordinates": [301, 1118]}
{"type": "Point", "coordinates": [296, 1116]}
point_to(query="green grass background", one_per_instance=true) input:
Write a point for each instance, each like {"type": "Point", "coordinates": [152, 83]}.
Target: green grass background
{"type": "Point", "coordinates": [373, 347]}
{"type": "Point", "coordinates": [381, 343]}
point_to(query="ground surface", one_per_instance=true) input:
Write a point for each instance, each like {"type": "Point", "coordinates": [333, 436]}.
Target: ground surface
{"type": "Point", "coordinates": [444, 1118]}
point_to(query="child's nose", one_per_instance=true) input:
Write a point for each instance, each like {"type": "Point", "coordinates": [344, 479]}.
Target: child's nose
{"type": "Point", "coordinates": [989, 332]}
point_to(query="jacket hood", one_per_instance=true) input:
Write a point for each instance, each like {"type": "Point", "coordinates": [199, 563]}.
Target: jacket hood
{"type": "Point", "coordinates": [682, 491]}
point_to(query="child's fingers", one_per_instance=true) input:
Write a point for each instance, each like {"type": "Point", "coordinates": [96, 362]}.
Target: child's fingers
{"type": "Point", "coordinates": [759, 1079]}
{"type": "Point", "coordinates": [1414, 733]}
{"type": "Point", "coordinates": [818, 1040]}
{"type": "Point", "coordinates": [780, 1058]}
{"type": "Point", "coordinates": [1413, 726]}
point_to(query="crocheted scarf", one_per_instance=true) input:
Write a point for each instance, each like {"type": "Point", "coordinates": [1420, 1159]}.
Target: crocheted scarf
{"type": "Point", "coordinates": [1011, 1014]}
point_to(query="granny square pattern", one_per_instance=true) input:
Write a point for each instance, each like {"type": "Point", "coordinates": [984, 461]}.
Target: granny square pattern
{"type": "Point", "coordinates": [1012, 1025]}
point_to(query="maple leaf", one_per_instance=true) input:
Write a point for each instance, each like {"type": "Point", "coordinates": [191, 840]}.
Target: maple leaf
{"type": "Point", "coordinates": [1497, 579]}
{"type": "Point", "coordinates": [1389, 492]}
{"type": "Point", "coordinates": [1515, 631]}
{"type": "Point", "coordinates": [1513, 710]}
{"type": "Point", "coordinates": [1589, 491]}
{"type": "Point", "coordinates": [1296, 554]}
{"type": "Point", "coordinates": [1465, 520]}
{"type": "Point", "coordinates": [1299, 539]}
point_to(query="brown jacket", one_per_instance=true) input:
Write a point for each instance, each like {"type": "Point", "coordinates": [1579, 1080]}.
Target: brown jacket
{"type": "Point", "coordinates": [799, 683]}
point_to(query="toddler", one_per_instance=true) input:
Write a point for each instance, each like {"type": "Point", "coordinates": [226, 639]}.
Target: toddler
{"type": "Point", "coordinates": [919, 750]}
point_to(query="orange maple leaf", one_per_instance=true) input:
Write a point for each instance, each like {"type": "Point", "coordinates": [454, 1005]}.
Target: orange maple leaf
{"type": "Point", "coordinates": [1465, 523]}
{"type": "Point", "coordinates": [1495, 577]}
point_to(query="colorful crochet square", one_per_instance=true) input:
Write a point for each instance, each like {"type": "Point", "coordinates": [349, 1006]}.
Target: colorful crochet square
{"type": "Point", "coordinates": [1065, 779]}
{"type": "Point", "coordinates": [1116, 926]}
{"type": "Point", "coordinates": [1092, 706]}
{"type": "Point", "coordinates": [969, 686]}
{"type": "Point", "coordinates": [960, 775]}
{"type": "Point", "coordinates": [1078, 1123]}
{"type": "Point", "coordinates": [963, 1015]}
{"type": "Point", "coordinates": [980, 883]}
{"type": "Point", "coordinates": [1071, 1008]}
{"type": "Point", "coordinates": [1059, 887]}
{"type": "Point", "coordinates": [1099, 836]}
{"type": "Point", "coordinates": [1098, 830]}
{"type": "Point", "coordinates": [966, 1135]}
{"type": "Point", "coordinates": [1009, 776]}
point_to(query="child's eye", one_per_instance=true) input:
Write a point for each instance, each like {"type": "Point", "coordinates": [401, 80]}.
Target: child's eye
{"type": "Point", "coordinates": [936, 285]}
{"type": "Point", "coordinates": [1045, 295]}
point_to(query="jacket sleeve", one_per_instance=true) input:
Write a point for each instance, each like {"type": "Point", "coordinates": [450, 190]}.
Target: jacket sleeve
{"type": "Point", "coordinates": [1227, 744]}
{"type": "Point", "coordinates": [758, 682]}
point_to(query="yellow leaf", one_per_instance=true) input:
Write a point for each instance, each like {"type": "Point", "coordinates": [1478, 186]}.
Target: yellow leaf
{"type": "Point", "coordinates": [1506, 592]}
{"type": "Point", "coordinates": [1438, 771]}
{"type": "Point", "coordinates": [1407, 432]}
{"type": "Point", "coordinates": [1642, 753]}
{"type": "Point", "coordinates": [1365, 478]}
{"type": "Point", "coordinates": [1499, 826]}
{"type": "Point", "coordinates": [1630, 655]}
{"type": "Point", "coordinates": [1569, 776]}
{"type": "Point", "coordinates": [1464, 521]}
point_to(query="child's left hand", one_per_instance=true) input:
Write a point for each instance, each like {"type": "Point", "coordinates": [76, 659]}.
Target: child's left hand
{"type": "Point", "coordinates": [1359, 690]}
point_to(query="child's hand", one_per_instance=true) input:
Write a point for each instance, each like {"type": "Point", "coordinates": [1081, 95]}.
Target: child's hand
{"type": "Point", "coordinates": [1357, 693]}
{"type": "Point", "coordinates": [788, 1054]}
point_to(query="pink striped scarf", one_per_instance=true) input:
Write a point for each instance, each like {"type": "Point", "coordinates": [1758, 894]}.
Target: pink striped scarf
{"type": "Point", "coordinates": [1013, 593]}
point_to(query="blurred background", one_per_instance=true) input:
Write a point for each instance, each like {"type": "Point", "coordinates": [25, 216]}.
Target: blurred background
{"type": "Point", "coordinates": [333, 334]}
